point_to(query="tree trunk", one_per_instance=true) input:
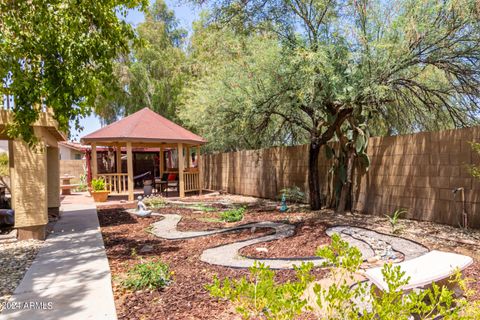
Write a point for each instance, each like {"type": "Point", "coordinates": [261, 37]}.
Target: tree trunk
{"type": "Point", "coordinates": [313, 176]}
{"type": "Point", "coordinates": [346, 188]}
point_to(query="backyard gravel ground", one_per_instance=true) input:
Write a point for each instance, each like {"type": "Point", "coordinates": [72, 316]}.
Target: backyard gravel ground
{"type": "Point", "coordinates": [186, 298]}
{"type": "Point", "coordinates": [15, 259]}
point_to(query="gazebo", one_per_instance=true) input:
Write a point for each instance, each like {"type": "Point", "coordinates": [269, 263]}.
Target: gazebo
{"type": "Point", "coordinates": [147, 129]}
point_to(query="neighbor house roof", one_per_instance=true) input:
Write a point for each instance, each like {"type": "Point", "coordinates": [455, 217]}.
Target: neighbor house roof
{"type": "Point", "coordinates": [73, 145]}
{"type": "Point", "coordinates": [143, 126]}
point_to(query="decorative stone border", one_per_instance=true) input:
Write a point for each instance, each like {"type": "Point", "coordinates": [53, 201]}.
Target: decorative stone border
{"type": "Point", "coordinates": [227, 255]}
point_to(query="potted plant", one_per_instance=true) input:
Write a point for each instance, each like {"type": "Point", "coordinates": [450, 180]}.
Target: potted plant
{"type": "Point", "coordinates": [99, 190]}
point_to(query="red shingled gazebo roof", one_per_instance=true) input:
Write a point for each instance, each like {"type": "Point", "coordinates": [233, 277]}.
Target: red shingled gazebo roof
{"type": "Point", "coordinates": [144, 126]}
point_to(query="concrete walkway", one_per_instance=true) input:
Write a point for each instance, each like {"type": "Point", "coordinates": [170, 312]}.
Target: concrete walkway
{"type": "Point", "coordinates": [369, 242]}
{"type": "Point", "coordinates": [70, 277]}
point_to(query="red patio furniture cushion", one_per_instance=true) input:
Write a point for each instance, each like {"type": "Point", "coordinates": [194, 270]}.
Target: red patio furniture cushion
{"type": "Point", "coordinates": [172, 177]}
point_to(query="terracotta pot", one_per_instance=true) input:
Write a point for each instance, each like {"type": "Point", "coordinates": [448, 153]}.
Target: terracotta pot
{"type": "Point", "coordinates": [100, 196]}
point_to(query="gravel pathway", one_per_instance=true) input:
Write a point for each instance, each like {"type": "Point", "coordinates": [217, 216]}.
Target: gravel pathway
{"type": "Point", "coordinates": [15, 259]}
{"type": "Point", "coordinates": [377, 241]}
{"type": "Point", "coordinates": [367, 241]}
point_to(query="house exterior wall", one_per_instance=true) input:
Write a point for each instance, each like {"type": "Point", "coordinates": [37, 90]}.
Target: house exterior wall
{"type": "Point", "coordinates": [67, 153]}
{"type": "Point", "coordinates": [29, 185]}
{"type": "Point", "coordinates": [53, 179]}
{"type": "Point", "coordinates": [416, 172]}
{"type": "Point", "coordinates": [29, 176]}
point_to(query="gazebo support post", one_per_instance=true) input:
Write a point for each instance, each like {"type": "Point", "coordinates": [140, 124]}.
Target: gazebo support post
{"type": "Point", "coordinates": [188, 157]}
{"type": "Point", "coordinates": [160, 162]}
{"type": "Point", "coordinates": [94, 161]}
{"type": "Point", "coordinates": [181, 165]}
{"type": "Point", "coordinates": [200, 173]}
{"type": "Point", "coordinates": [130, 171]}
{"type": "Point", "coordinates": [119, 158]}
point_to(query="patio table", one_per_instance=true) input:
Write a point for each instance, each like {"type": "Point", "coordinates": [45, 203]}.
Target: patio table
{"type": "Point", "coordinates": [65, 184]}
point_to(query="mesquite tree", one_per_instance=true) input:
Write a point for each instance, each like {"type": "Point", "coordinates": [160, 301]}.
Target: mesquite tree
{"type": "Point", "coordinates": [363, 59]}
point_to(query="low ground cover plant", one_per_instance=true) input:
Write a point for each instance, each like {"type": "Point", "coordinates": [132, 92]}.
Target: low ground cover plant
{"type": "Point", "coordinates": [154, 202]}
{"type": "Point", "coordinates": [394, 218]}
{"type": "Point", "coordinates": [233, 215]}
{"type": "Point", "coordinates": [293, 194]}
{"type": "Point", "coordinates": [258, 296]}
{"type": "Point", "coordinates": [82, 186]}
{"type": "Point", "coordinates": [147, 275]}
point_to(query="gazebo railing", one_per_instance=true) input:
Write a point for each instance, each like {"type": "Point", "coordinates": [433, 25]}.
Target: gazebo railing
{"type": "Point", "coordinates": [192, 181]}
{"type": "Point", "coordinates": [116, 182]}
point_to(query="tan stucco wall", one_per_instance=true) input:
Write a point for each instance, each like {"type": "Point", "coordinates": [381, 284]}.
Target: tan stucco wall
{"type": "Point", "coordinates": [34, 174]}
{"type": "Point", "coordinates": [53, 174]}
{"type": "Point", "coordinates": [29, 184]}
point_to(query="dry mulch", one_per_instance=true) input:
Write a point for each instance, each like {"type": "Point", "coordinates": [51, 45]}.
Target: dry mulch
{"type": "Point", "coordinates": [309, 236]}
{"type": "Point", "coordinates": [185, 297]}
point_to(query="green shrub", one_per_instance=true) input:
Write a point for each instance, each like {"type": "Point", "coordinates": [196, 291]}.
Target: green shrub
{"type": "Point", "coordinates": [204, 208]}
{"type": "Point", "coordinates": [344, 260]}
{"type": "Point", "coordinates": [83, 183]}
{"type": "Point", "coordinates": [336, 300]}
{"type": "Point", "coordinates": [233, 215]}
{"type": "Point", "coordinates": [148, 275]}
{"type": "Point", "coordinates": [293, 194]}
{"type": "Point", "coordinates": [99, 185]}
{"type": "Point", "coordinates": [475, 170]}
{"type": "Point", "coordinates": [154, 202]}
{"type": "Point", "coordinates": [393, 219]}
{"type": "Point", "coordinates": [259, 296]}
{"type": "Point", "coordinates": [4, 170]}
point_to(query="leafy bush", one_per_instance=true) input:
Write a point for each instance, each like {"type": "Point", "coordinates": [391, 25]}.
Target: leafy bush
{"type": "Point", "coordinates": [259, 296]}
{"type": "Point", "coordinates": [475, 170]}
{"type": "Point", "coordinates": [293, 194]}
{"type": "Point", "coordinates": [393, 219]}
{"type": "Point", "coordinates": [4, 170]}
{"type": "Point", "coordinates": [344, 260]}
{"type": "Point", "coordinates": [233, 215]}
{"type": "Point", "coordinates": [336, 300]}
{"type": "Point", "coordinates": [154, 202]}
{"type": "Point", "coordinates": [148, 275]}
{"type": "Point", "coordinates": [99, 185]}
{"type": "Point", "coordinates": [83, 183]}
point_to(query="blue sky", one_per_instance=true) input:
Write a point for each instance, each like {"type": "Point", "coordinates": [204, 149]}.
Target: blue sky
{"type": "Point", "coordinates": [185, 14]}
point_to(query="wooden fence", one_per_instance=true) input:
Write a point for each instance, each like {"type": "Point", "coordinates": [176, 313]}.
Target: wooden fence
{"type": "Point", "coordinates": [416, 172]}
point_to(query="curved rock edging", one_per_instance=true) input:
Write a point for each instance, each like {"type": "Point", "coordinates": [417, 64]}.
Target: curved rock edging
{"type": "Point", "coordinates": [228, 254]}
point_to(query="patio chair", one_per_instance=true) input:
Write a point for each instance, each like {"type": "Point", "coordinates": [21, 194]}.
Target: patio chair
{"type": "Point", "coordinates": [161, 183]}
{"type": "Point", "coordinates": [172, 182]}
{"type": "Point", "coordinates": [435, 266]}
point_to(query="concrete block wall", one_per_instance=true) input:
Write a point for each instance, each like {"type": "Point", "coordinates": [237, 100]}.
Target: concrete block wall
{"type": "Point", "coordinates": [416, 172]}
{"type": "Point", "coordinates": [73, 168]}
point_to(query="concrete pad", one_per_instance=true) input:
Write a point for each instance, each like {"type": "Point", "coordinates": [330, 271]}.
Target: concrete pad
{"type": "Point", "coordinates": [70, 277]}
{"type": "Point", "coordinates": [422, 271]}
